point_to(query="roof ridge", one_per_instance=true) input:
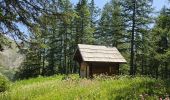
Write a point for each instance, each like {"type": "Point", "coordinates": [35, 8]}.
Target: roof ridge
{"type": "Point", "coordinates": [97, 45]}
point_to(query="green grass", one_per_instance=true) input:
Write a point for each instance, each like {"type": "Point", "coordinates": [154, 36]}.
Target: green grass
{"type": "Point", "coordinates": [73, 88]}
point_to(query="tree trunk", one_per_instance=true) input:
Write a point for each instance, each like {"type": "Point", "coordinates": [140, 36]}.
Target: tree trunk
{"type": "Point", "coordinates": [132, 39]}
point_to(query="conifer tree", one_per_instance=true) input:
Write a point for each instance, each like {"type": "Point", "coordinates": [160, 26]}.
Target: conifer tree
{"type": "Point", "coordinates": [137, 14]}
{"type": "Point", "coordinates": [160, 43]}
{"type": "Point", "coordinates": [111, 24]}
{"type": "Point", "coordinates": [84, 33]}
{"type": "Point", "coordinates": [31, 67]}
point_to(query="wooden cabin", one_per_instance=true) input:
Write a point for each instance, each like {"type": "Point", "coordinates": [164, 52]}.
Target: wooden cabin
{"type": "Point", "coordinates": [96, 59]}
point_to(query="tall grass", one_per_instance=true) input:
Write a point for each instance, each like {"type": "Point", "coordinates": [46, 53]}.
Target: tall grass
{"type": "Point", "coordinates": [73, 88]}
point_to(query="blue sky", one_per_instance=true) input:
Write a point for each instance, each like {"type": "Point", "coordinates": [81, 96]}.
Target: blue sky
{"type": "Point", "coordinates": [157, 4]}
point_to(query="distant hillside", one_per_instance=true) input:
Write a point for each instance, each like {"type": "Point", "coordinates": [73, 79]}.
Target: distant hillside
{"type": "Point", "coordinates": [10, 57]}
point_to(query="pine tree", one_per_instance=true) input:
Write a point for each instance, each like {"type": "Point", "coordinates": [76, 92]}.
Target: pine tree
{"type": "Point", "coordinates": [112, 25]}
{"type": "Point", "coordinates": [111, 30]}
{"type": "Point", "coordinates": [104, 26]}
{"type": "Point", "coordinates": [58, 38]}
{"type": "Point", "coordinates": [84, 33]}
{"type": "Point", "coordinates": [31, 67]}
{"type": "Point", "coordinates": [160, 40]}
{"type": "Point", "coordinates": [137, 15]}
{"type": "Point", "coordinates": [15, 13]}
{"type": "Point", "coordinates": [94, 14]}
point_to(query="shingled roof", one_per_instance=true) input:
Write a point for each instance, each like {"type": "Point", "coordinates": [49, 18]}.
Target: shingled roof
{"type": "Point", "coordinates": [97, 53]}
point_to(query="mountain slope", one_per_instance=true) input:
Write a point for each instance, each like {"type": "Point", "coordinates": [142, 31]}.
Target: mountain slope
{"type": "Point", "coordinates": [10, 57]}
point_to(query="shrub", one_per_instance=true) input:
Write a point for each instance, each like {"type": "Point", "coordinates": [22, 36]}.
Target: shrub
{"type": "Point", "coordinates": [4, 83]}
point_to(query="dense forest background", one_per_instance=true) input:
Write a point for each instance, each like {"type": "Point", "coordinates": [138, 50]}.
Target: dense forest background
{"type": "Point", "coordinates": [55, 27]}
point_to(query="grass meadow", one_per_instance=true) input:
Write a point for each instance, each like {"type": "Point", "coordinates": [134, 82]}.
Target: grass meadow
{"type": "Point", "coordinates": [61, 87]}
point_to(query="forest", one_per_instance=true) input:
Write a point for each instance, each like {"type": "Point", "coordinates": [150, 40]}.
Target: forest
{"type": "Point", "coordinates": [47, 32]}
{"type": "Point", "coordinates": [53, 28]}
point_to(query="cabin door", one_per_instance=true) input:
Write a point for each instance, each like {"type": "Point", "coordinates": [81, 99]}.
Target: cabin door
{"type": "Point", "coordinates": [84, 70]}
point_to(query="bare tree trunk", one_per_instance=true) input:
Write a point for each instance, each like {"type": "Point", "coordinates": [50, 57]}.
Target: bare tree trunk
{"type": "Point", "coordinates": [132, 39]}
{"type": "Point", "coordinates": [43, 60]}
